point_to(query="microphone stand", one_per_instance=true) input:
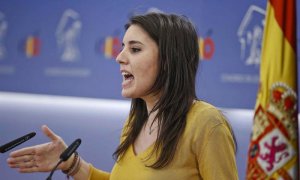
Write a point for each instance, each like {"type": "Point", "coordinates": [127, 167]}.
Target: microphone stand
{"type": "Point", "coordinates": [53, 170]}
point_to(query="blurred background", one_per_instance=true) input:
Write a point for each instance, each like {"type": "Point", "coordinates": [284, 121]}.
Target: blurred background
{"type": "Point", "coordinates": [57, 67]}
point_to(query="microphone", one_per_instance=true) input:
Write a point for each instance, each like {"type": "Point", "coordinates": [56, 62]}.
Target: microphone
{"type": "Point", "coordinates": [70, 150]}
{"type": "Point", "coordinates": [64, 156]}
{"type": "Point", "coordinates": [8, 146]}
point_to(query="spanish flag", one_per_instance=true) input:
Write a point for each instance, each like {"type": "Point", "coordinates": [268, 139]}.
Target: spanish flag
{"type": "Point", "coordinates": [273, 149]}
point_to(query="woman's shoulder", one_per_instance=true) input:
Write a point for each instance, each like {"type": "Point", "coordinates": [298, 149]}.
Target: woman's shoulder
{"type": "Point", "coordinates": [205, 115]}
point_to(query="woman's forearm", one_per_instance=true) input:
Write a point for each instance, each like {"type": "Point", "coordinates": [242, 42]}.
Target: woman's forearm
{"type": "Point", "coordinates": [83, 173]}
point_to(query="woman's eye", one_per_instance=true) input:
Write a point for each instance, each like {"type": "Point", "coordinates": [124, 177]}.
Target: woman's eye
{"type": "Point", "coordinates": [135, 50]}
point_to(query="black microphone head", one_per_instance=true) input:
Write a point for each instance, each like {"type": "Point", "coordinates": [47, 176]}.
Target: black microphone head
{"type": "Point", "coordinates": [8, 146]}
{"type": "Point", "coordinates": [70, 150]}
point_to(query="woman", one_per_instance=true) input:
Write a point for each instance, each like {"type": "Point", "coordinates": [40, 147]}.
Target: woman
{"type": "Point", "coordinates": [169, 134]}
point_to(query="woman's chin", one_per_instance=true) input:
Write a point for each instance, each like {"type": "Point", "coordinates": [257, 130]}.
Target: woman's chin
{"type": "Point", "coordinates": [126, 94]}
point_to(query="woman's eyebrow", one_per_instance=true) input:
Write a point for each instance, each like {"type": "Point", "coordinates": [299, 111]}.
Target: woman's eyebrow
{"type": "Point", "coordinates": [132, 42]}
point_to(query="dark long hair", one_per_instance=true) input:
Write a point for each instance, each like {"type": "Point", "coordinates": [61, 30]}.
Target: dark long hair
{"type": "Point", "coordinates": [177, 42]}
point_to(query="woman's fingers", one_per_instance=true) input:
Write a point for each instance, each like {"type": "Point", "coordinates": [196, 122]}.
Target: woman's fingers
{"type": "Point", "coordinates": [26, 163]}
{"type": "Point", "coordinates": [23, 151]}
{"type": "Point", "coordinates": [29, 170]}
{"type": "Point", "coordinates": [23, 164]}
{"type": "Point", "coordinates": [16, 160]}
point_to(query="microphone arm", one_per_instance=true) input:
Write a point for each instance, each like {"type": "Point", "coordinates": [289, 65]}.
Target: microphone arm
{"type": "Point", "coordinates": [8, 146]}
{"type": "Point", "coordinates": [64, 156]}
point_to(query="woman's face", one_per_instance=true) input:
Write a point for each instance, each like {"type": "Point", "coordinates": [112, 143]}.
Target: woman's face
{"type": "Point", "coordinates": [138, 63]}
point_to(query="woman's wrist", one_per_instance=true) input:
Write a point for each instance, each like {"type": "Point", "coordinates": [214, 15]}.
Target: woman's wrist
{"type": "Point", "coordinates": [74, 167]}
{"type": "Point", "coordinates": [67, 164]}
{"type": "Point", "coordinates": [81, 172]}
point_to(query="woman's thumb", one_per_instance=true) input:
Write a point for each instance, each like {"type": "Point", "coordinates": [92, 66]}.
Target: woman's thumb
{"type": "Point", "coordinates": [49, 133]}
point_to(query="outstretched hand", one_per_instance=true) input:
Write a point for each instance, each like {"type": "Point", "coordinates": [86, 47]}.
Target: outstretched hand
{"type": "Point", "coordinates": [39, 158]}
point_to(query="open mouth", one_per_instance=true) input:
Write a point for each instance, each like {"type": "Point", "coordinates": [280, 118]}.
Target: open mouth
{"type": "Point", "coordinates": [127, 76]}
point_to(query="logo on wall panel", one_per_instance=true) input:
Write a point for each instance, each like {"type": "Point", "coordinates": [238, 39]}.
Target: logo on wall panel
{"type": "Point", "coordinates": [250, 35]}
{"type": "Point", "coordinates": [109, 46]}
{"type": "Point", "coordinates": [206, 48]}
{"type": "Point", "coordinates": [67, 35]}
{"type": "Point", "coordinates": [32, 46]}
{"type": "Point", "coordinates": [3, 29]}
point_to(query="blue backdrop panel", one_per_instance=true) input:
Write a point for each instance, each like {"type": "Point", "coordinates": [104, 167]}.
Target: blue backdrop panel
{"type": "Point", "coordinates": [69, 47]}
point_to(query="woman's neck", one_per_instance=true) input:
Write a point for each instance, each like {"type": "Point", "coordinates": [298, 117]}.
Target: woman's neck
{"type": "Point", "coordinates": [150, 101]}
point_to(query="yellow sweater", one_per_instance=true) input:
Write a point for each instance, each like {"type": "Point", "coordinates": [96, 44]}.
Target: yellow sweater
{"type": "Point", "coordinates": [205, 151]}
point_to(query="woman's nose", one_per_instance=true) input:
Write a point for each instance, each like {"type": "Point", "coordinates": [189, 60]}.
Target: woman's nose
{"type": "Point", "coordinates": [121, 58]}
